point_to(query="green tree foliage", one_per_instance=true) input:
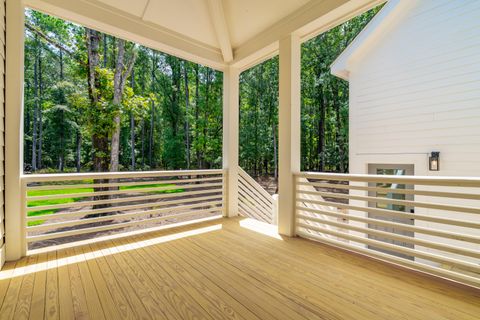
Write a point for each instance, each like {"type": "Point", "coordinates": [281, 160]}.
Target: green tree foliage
{"type": "Point", "coordinates": [167, 111]}
{"type": "Point", "coordinates": [259, 118]}
{"type": "Point", "coordinates": [324, 106]}
{"type": "Point", "coordinates": [161, 94]}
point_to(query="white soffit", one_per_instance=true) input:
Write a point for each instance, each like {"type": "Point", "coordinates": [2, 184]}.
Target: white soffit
{"type": "Point", "coordinates": [247, 18]}
{"type": "Point", "coordinates": [188, 17]}
{"type": "Point", "coordinates": [134, 7]}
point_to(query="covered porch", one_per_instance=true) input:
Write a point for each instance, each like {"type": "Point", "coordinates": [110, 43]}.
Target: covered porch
{"type": "Point", "coordinates": [317, 250]}
{"type": "Point", "coordinates": [234, 268]}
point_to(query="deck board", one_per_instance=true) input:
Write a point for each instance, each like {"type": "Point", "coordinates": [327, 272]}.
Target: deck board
{"type": "Point", "coordinates": [220, 270]}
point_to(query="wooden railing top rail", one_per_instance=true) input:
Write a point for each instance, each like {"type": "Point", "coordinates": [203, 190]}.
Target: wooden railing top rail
{"type": "Point", "coordinates": [471, 182]}
{"type": "Point", "coordinates": [115, 175]}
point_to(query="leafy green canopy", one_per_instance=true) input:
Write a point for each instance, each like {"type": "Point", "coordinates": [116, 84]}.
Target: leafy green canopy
{"type": "Point", "coordinates": [324, 106]}
{"type": "Point", "coordinates": [170, 111]}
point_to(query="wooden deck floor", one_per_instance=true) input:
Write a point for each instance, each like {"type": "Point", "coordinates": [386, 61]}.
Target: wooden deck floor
{"type": "Point", "coordinates": [220, 270]}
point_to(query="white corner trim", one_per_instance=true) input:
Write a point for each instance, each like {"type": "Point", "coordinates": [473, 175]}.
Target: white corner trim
{"type": "Point", "coordinates": [14, 79]}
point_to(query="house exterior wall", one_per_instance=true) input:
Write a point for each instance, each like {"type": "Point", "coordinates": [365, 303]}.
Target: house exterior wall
{"type": "Point", "coordinates": [416, 90]}
{"type": "Point", "coordinates": [2, 131]}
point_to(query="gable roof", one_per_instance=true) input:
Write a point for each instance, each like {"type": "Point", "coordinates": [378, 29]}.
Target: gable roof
{"type": "Point", "coordinates": [375, 30]}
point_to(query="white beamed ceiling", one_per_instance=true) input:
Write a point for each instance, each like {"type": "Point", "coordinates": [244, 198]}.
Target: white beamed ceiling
{"type": "Point", "coordinates": [216, 33]}
{"type": "Point", "coordinates": [247, 18]}
{"type": "Point", "coordinates": [187, 17]}
{"type": "Point", "coordinates": [191, 18]}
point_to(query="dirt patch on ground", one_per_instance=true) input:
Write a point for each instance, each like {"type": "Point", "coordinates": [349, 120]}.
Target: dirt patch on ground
{"type": "Point", "coordinates": [271, 185]}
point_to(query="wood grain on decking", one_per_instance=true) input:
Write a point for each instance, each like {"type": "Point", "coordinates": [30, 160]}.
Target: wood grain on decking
{"type": "Point", "coordinates": [223, 272]}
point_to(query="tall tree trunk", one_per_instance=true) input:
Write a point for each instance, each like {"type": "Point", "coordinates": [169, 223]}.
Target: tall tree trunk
{"type": "Point", "coordinates": [113, 52]}
{"type": "Point", "coordinates": [61, 64]}
{"type": "Point", "coordinates": [78, 142]}
{"type": "Point", "coordinates": [150, 137]}
{"type": "Point", "coordinates": [119, 80]}
{"type": "Point", "coordinates": [35, 114]}
{"type": "Point", "coordinates": [105, 51]}
{"type": "Point", "coordinates": [99, 139]}
{"type": "Point", "coordinates": [338, 124]}
{"type": "Point", "coordinates": [187, 103]}
{"type": "Point", "coordinates": [132, 127]}
{"type": "Point", "coordinates": [321, 133]}
{"type": "Point", "coordinates": [152, 113]}
{"type": "Point", "coordinates": [275, 156]}
{"type": "Point", "coordinates": [40, 115]}
{"type": "Point", "coordinates": [117, 101]}
{"type": "Point", "coordinates": [206, 165]}
{"type": "Point", "coordinates": [28, 127]}
{"type": "Point", "coordinates": [258, 100]}
{"type": "Point", "coordinates": [175, 106]}
{"type": "Point", "coordinates": [197, 114]}
{"type": "Point", "coordinates": [143, 143]}
{"type": "Point", "coordinates": [132, 140]}
{"type": "Point", "coordinates": [61, 158]}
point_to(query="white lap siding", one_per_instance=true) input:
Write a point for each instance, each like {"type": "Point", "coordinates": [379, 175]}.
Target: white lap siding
{"type": "Point", "coordinates": [416, 90]}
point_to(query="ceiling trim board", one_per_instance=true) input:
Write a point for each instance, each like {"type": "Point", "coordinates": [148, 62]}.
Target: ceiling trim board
{"type": "Point", "coordinates": [217, 15]}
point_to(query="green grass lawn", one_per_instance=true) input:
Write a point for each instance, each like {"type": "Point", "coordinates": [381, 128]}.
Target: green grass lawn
{"type": "Point", "coordinates": [73, 192]}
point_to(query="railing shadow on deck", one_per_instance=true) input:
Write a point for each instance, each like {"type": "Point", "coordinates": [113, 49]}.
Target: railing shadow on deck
{"type": "Point", "coordinates": [67, 254]}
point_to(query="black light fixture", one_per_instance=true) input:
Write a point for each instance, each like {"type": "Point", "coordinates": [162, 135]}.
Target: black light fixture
{"type": "Point", "coordinates": [434, 161]}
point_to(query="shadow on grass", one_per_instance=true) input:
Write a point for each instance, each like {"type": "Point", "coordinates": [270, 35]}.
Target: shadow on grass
{"type": "Point", "coordinates": [79, 191]}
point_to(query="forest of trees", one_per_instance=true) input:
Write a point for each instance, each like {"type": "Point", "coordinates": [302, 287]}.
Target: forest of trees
{"type": "Point", "coordinates": [324, 106]}
{"type": "Point", "coordinates": [94, 102]}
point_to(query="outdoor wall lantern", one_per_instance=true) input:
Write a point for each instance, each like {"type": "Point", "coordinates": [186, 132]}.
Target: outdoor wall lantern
{"type": "Point", "coordinates": [434, 161]}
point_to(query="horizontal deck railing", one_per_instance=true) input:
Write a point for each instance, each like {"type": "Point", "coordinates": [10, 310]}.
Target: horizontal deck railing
{"type": "Point", "coordinates": [431, 224]}
{"type": "Point", "coordinates": [254, 201]}
{"type": "Point", "coordinates": [62, 208]}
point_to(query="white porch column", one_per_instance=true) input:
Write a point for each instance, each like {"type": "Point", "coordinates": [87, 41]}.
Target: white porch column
{"type": "Point", "coordinates": [289, 131]}
{"type": "Point", "coordinates": [14, 237]}
{"type": "Point", "coordinates": [230, 137]}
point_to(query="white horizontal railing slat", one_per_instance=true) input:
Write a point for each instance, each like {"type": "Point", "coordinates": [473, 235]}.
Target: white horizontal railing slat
{"type": "Point", "coordinates": [120, 208]}
{"type": "Point", "coordinates": [441, 235]}
{"type": "Point", "coordinates": [254, 201]}
{"type": "Point", "coordinates": [65, 208]}
{"type": "Point", "coordinates": [121, 184]}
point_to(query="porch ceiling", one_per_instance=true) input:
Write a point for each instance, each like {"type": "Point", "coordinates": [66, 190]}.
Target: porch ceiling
{"type": "Point", "coordinates": [212, 32]}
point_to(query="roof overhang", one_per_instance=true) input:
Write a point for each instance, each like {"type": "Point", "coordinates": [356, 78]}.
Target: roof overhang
{"type": "Point", "coordinates": [215, 38]}
{"type": "Point", "coordinates": [376, 29]}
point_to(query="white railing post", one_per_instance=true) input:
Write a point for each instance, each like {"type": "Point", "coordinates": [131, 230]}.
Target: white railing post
{"type": "Point", "coordinates": [230, 137]}
{"type": "Point", "coordinates": [275, 209]}
{"type": "Point", "coordinates": [13, 128]}
{"type": "Point", "coordinates": [23, 218]}
{"type": "Point", "coordinates": [289, 131]}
